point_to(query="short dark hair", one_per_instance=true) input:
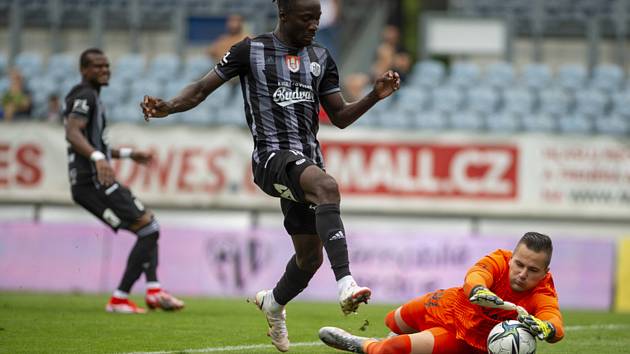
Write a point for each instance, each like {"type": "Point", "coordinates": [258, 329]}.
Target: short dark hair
{"type": "Point", "coordinates": [537, 242]}
{"type": "Point", "coordinates": [84, 60]}
{"type": "Point", "coordinates": [284, 4]}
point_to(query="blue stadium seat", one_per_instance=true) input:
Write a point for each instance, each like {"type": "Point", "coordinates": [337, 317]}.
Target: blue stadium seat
{"type": "Point", "coordinates": [141, 87]}
{"type": "Point", "coordinates": [517, 101]}
{"type": "Point", "coordinates": [4, 63]}
{"type": "Point", "coordinates": [447, 99]}
{"type": "Point", "coordinates": [129, 67]}
{"type": "Point", "coordinates": [575, 124]}
{"type": "Point", "coordinates": [30, 64]}
{"type": "Point", "coordinates": [612, 125]}
{"type": "Point", "coordinates": [482, 100]}
{"type": "Point", "coordinates": [164, 67]}
{"type": "Point", "coordinates": [499, 75]}
{"type": "Point", "coordinates": [427, 73]}
{"type": "Point", "coordinates": [410, 99]}
{"type": "Point", "coordinates": [468, 121]}
{"type": "Point", "coordinates": [464, 74]}
{"type": "Point", "coordinates": [200, 115]}
{"type": "Point", "coordinates": [430, 120]}
{"type": "Point", "coordinates": [61, 65]}
{"type": "Point", "coordinates": [128, 113]}
{"type": "Point", "coordinates": [607, 77]}
{"type": "Point", "coordinates": [621, 104]}
{"type": "Point", "coordinates": [503, 123]}
{"type": "Point", "coordinates": [536, 76]}
{"type": "Point", "coordinates": [542, 123]}
{"type": "Point", "coordinates": [196, 66]}
{"type": "Point", "coordinates": [572, 77]}
{"type": "Point", "coordinates": [554, 102]}
{"type": "Point", "coordinates": [590, 102]}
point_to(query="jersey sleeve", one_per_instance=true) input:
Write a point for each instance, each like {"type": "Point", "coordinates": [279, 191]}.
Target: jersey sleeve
{"type": "Point", "coordinates": [80, 104]}
{"type": "Point", "coordinates": [330, 80]}
{"type": "Point", "coordinates": [545, 302]}
{"type": "Point", "coordinates": [485, 271]}
{"type": "Point", "coordinates": [235, 61]}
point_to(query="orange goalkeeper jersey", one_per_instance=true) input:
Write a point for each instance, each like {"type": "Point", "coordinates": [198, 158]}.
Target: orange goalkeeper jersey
{"type": "Point", "coordinates": [472, 323]}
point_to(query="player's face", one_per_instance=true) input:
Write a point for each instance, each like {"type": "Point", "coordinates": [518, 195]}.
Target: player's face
{"type": "Point", "coordinates": [302, 21]}
{"type": "Point", "coordinates": [527, 268]}
{"type": "Point", "coordinates": [97, 71]}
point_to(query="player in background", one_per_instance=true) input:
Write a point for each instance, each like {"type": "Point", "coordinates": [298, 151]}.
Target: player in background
{"type": "Point", "coordinates": [458, 320]}
{"type": "Point", "coordinates": [94, 187]}
{"type": "Point", "coordinates": [285, 76]}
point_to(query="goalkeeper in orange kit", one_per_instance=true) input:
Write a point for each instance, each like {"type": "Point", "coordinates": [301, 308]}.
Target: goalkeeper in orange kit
{"type": "Point", "coordinates": [458, 320]}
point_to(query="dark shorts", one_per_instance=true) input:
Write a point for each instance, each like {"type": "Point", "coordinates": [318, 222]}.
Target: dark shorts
{"type": "Point", "coordinates": [115, 205]}
{"type": "Point", "coordinates": [278, 175]}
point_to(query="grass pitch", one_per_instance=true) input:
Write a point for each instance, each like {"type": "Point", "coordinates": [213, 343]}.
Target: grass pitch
{"type": "Point", "coordinates": [63, 323]}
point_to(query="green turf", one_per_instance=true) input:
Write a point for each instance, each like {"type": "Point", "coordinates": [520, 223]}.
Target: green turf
{"type": "Point", "coordinates": [56, 323]}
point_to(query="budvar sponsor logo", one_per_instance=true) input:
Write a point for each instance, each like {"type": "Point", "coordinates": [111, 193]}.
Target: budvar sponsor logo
{"type": "Point", "coordinates": [284, 96]}
{"type": "Point", "coordinates": [470, 171]}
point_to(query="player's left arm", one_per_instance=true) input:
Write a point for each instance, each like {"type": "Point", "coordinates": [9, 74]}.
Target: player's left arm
{"type": "Point", "coordinates": [342, 113]}
{"type": "Point", "coordinates": [141, 157]}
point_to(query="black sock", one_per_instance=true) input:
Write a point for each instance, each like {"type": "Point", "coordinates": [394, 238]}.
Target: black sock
{"type": "Point", "coordinates": [150, 267]}
{"type": "Point", "coordinates": [331, 232]}
{"type": "Point", "coordinates": [140, 254]}
{"type": "Point", "coordinates": [293, 281]}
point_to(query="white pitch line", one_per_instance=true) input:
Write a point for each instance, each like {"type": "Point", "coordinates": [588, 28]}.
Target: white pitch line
{"type": "Point", "coordinates": [233, 348]}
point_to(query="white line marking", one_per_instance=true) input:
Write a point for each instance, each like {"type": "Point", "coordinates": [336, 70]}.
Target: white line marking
{"type": "Point", "coordinates": [608, 327]}
{"type": "Point", "coordinates": [232, 348]}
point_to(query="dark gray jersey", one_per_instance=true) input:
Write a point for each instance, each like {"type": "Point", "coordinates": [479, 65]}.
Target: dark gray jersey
{"type": "Point", "coordinates": [281, 89]}
{"type": "Point", "coordinates": [83, 101]}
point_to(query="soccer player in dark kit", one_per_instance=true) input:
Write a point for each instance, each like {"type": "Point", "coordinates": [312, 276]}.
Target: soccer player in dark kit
{"type": "Point", "coordinates": [94, 187]}
{"type": "Point", "coordinates": [285, 76]}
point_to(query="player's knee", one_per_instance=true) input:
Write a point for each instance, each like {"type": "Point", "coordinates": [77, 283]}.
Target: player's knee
{"type": "Point", "coordinates": [310, 262]}
{"type": "Point", "coordinates": [149, 227]}
{"type": "Point", "coordinates": [327, 190]}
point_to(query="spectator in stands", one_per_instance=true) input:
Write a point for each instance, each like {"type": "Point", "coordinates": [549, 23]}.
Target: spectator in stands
{"type": "Point", "coordinates": [387, 50]}
{"type": "Point", "coordinates": [355, 86]}
{"type": "Point", "coordinates": [53, 111]}
{"type": "Point", "coordinates": [235, 32]}
{"type": "Point", "coordinates": [458, 320]}
{"type": "Point", "coordinates": [16, 102]}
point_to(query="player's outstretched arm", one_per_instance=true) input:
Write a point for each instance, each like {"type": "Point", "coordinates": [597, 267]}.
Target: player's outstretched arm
{"type": "Point", "coordinates": [75, 125]}
{"type": "Point", "coordinates": [342, 113]}
{"type": "Point", "coordinates": [482, 296]}
{"type": "Point", "coordinates": [191, 96]}
{"type": "Point", "coordinates": [140, 157]}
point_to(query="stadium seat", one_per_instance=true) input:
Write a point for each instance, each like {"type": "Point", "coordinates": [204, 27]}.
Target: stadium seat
{"type": "Point", "coordinates": [482, 100]}
{"type": "Point", "coordinates": [141, 87]}
{"type": "Point", "coordinates": [409, 99]}
{"type": "Point", "coordinates": [536, 76]}
{"type": "Point", "coordinates": [621, 103]}
{"type": "Point", "coordinates": [612, 125]}
{"type": "Point", "coordinates": [4, 64]}
{"type": "Point", "coordinates": [543, 123]}
{"type": "Point", "coordinates": [499, 75]}
{"type": "Point", "coordinates": [607, 77]}
{"type": "Point", "coordinates": [554, 102]}
{"type": "Point", "coordinates": [464, 74]}
{"type": "Point", "coordinates": [200, 115]}
{"type": "Point", "coordinates": [427, 73]}
{"type": "Point", "coordinates": [164, 67]}
{"type": "Point", "coordinates": [517, 101]}
{"type": "Point", "coordinates": [467, 121]}
{"type": "Point", "coordinates": [590, 102]}
{"type": "Point", "coordinates": [430, 120]}
{"type": "Point", "coordinates": [447, 99]}
{"type": "Point", "coordinates": [30, 64]}
{"type": "Point", "coordinates": [503, 123]}
{"type": "Point", "coordinates": [571, 77]}
{"type": "Point", "coordinates": [61, 65]}
{"type": "Point", "coordinates": [575, 124]}
{"type": "Point", "coordinates": [130, 67]}
{"type": "Point", "coordinates": [196, 66]}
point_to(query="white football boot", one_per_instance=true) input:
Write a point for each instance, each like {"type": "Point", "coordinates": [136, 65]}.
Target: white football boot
{"type": "Point", "coordinates": [351, 295]}
{"type": "Point", "coordinates": [276, 319]}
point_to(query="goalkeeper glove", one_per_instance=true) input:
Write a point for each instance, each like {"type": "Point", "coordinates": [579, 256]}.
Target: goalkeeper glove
{"type": "Point", "coordinates": [544, 330]}
{"type": "Point", "coordinates": [482, 296]}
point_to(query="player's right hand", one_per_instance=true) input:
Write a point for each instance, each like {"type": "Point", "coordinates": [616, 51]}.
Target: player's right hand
{"type": "Point", "coordinates": [104, 173]}
{"type": "Point", "coordinates": [482, 296]}
{"type": "Point", "coordinates": [153, 107]}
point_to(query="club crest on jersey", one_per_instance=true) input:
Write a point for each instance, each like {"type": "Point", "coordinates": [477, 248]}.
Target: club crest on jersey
{"type": "Point", "coordinates": [316, 69]}
{"type": "Point", "coordinates": [293, 63]}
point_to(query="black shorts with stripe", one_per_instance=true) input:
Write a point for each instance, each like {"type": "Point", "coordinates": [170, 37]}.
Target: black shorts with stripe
{"type": "Point", "coordinates": [115, 205]}
{"type": "Point", "coordinates": [278, 175]}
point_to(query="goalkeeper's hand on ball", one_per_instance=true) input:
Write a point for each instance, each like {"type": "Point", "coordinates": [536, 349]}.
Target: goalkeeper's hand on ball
{"type": "Point", "coordinates": [544, 330]}
{"type": "Point", "coordinates": [482, 296]}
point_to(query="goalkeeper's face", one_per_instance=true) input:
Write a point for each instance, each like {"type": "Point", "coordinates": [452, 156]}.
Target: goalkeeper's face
{"type": "Point", "coordinates": [527, 268]}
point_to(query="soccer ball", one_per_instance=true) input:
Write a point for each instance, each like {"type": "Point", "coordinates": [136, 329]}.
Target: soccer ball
{"type": "Point", "coordinates": [511, 337]}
